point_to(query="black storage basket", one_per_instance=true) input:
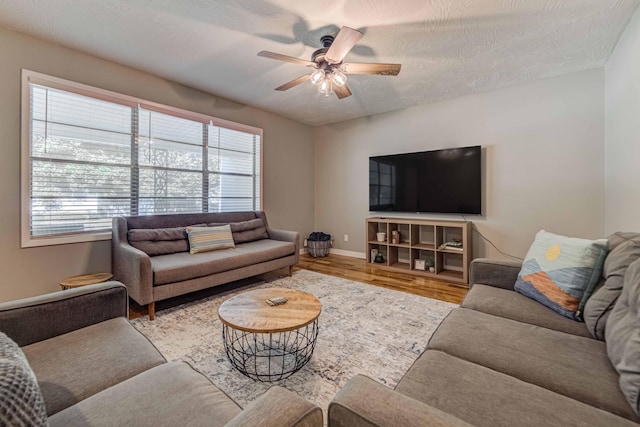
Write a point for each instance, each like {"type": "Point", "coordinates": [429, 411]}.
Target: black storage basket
{"type": "Point", "coordinates": [318, 244]}
{"type": "Point", "coordinates": [318, 248]}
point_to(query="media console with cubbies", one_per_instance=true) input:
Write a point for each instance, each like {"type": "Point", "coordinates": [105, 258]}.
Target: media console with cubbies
{"type": "Point", "coordinates": [422, 240]}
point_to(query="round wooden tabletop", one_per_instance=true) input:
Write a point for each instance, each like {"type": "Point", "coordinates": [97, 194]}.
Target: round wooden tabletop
{"type": "Point", "coordinates": [250, 312]}
{"type": "Point", "coordinates": [85, 279]}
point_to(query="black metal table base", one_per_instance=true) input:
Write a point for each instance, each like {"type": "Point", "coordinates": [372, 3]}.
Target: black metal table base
{"type": "Point", "coordinates": [270, 357]}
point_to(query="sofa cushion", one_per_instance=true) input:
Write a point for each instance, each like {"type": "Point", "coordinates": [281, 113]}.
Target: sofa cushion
{"type": "Point", "coordinates": [206, 239]}
{"type": "Point", "coordinates": [158, 241]}
{"type": "Point", "coordinates": [624, 249]}
{"type": "Point", "coordinates": [172, 394]}
{"type": "Point", "coordinates": [577, 367]}
{"type": "Point", "coordinates": [76, 365]}
{"type": "Point", "coordinates": [623, 335]}
{"type": "Point", "coordinates": [561, 272]}
{"type": "Point", "coordinates": [183, 266]}
{"type": "Point", "coordinates": [21, 402]}
{"type": "Point", "coordinates": [484, 397]}
{"type": "Point", "coordinates": [185, 220]}
{"type": "Point", "coordinates": [512, 305]}
{"type": "Point", "coordinates": [248, 231]}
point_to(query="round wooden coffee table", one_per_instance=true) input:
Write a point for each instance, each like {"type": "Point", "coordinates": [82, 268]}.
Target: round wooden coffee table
{"type": "Point", "coordinates": [270, 343]}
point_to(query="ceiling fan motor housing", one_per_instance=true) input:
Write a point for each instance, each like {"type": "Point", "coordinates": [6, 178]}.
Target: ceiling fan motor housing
{"type": "Point", "coordinates": [326, 41]}
{"type": "Point", "coordinates": [318, 55]}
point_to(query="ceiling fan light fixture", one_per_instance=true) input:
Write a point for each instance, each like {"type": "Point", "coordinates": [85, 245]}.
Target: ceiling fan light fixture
{"type": "Point", "coordinates": [317, 76]}
{"type": "Point", "coordinates": [338, 78]}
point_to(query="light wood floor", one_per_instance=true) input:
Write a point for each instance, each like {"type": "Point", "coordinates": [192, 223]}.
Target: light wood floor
{"type": "Point", "coordinates": [334, 265]}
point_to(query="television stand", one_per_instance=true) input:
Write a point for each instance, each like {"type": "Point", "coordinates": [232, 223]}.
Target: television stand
{"type": "Point", "coordinates": [430, 248]}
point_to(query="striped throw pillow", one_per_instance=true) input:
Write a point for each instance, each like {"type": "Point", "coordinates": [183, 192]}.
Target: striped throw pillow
{"type": "Point", "coordinates": [204, 239]}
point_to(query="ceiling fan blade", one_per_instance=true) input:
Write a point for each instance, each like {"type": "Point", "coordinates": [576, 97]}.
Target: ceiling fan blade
{"type": "Point", "coordinates": [294, 82]}
{"type": "Point", "coordinates": [286, 58]}
{"type": "Point", "coordinates": [342, 91]}
{"type": "Point", "coordinates": [364, 68]}
{"type": "Point", "coordinates": [343, 43]}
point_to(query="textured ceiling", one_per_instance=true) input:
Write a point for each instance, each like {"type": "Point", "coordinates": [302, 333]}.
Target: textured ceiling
{"type": "Point", "coordinates": [447, 48]}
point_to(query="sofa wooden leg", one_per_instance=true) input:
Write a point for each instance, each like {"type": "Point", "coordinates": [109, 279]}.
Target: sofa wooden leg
{"type": "Point", "coordinates": [290, 270]}
{"type": "Point", "coordinates": [151, 308]}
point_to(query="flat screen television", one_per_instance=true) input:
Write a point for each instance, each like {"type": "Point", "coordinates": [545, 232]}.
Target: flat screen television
{"type": "Point", "coordinates": [440, 181]}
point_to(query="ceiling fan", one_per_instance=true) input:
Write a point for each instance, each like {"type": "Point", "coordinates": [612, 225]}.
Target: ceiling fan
{"type": "Point", "coordinates": [330, 73]}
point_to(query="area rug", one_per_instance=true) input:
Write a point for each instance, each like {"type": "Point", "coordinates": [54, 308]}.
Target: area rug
{"type": "Point", "coordinates": [364, 329]}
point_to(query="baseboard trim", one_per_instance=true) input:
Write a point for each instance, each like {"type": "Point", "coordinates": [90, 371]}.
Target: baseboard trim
{"type": "Point", "coordinates": [352, 254]}
{"type": "Point", "coordinates": [342, 252]}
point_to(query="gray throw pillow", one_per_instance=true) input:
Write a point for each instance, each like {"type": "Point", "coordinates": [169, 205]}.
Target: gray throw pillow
{"type": "Point", "coordinates": [246, 231]}
{"type": "Point", "coordinates": [159, 241]}
{"type": "Point", "coordinates": [21, 401]}
{"type": "Point", "coordinates": [623, 336]}
{"type": "Point", "coordinates": [249, 231]}
{"type": "Point", "coordinates": [624, 249]}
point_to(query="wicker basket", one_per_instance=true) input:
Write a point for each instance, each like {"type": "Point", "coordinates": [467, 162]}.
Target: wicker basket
{"type": "Point", "coordinates": [318, 248]}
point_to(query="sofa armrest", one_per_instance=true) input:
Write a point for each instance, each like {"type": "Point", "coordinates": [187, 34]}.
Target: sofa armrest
{"type": "Point", "coordinates": [130, 265]}
{"type": "Point", "coordinates": [285, 236]}
{"type": "Point", "coordinates": [365, 402]}
{"type": "Point", "coordinates": [278, 407]}
{"type": "Point", "coordinates": [493, 272]}
{"type": "Point", "coordinates": [39, 318]}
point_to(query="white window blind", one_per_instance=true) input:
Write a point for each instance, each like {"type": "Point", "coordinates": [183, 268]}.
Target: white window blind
{"type": "Point", "coordinates": [170, 155]}
{"type": "Point", "coordinates": [90, 159]}
{"type": "Point", "coordinates": [234, 170]}
{"type": "Point", "coordinates": [80, 162]}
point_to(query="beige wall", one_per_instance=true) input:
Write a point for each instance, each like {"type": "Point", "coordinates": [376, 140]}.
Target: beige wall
{"type": "Point", "coordinates": [288, 158]}
{"type": "Point", "coordinates": [543, 160]}
{"type": "Point", "coordinates": [622, 140]}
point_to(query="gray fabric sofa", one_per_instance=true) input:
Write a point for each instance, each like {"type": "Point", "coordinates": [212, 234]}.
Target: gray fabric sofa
{"type": "Point", "coordinates": [94, 369]}
{"type": "Point", "coordinates": [502, 359]}
{"type": "Point", "coordinates": [150, 254]}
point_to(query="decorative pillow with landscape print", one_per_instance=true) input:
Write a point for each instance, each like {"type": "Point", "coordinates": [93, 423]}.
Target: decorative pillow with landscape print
{"type": "Point", "coordinates": [561, 272]}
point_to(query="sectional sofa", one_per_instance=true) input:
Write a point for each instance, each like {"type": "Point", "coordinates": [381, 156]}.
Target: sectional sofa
{"type": "Point", "coordinates": [150, 254]}
{"type": "Point", "coordinates": [502, 359]}
{"type": "Point", "coordinates": [81, 363]}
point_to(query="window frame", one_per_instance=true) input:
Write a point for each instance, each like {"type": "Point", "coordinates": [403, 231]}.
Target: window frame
{"type": "Point", "coordinates": [34, 77]}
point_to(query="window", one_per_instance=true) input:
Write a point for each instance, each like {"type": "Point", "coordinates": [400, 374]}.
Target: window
{"type": "Point", "coordinates": [90, 155]}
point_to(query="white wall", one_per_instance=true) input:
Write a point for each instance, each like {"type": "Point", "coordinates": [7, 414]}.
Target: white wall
{"type": "Point", "coordinates": [288, 158]}
{"type": "Point", "coordinates": [543, 164]}
{"type": "Point", "coordinates": [622, 135]}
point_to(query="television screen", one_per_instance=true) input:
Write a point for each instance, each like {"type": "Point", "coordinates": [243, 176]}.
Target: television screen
{"type": "Point", "coordinates": [440, 181]}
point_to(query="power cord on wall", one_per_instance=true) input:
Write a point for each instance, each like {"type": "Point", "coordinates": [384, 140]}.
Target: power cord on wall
{"type": "Point", "coordinates": [475, 229]}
